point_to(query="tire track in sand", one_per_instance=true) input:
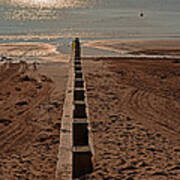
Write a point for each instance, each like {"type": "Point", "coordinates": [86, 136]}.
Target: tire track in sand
{"type": "Point", "coordinates": [15, 131]}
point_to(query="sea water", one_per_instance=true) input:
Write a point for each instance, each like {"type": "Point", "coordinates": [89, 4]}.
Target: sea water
{"type": "Point", "coordinates": [93, 18]}
{"type": "Point", "coordinates": [90, 19]}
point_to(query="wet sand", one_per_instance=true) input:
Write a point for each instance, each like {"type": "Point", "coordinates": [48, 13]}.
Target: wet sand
{"type": "Point", "coordinates": [30, 119]}
{"type": "Point", "coordinates": [32, 51]}
{"type": "Point", "coordinates": [134, 107]}
{"type": "Point", "coordinates": [138, 46]}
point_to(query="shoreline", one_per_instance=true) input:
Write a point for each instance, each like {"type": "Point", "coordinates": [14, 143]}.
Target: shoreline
{"type": "Point", "coordinates": [35, 51]}
{"type": "Point", "coordinates": [132, 48]}
{"type": "Point", "coordinates": [138, 46]}
{"type": "Point", "coordinates": [86, 36]}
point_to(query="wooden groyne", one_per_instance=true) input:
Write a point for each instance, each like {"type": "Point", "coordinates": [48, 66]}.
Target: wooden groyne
{"type": "Point", "coordinates": [75, 149]}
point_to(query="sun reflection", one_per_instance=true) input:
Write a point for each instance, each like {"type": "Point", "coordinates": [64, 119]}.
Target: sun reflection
{"type": "Point", "coordinates": [42, 9]}
{"type": "Point", "coordinates": [51, 3]}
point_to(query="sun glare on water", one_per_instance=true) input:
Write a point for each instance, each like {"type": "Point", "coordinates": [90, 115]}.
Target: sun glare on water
{"type": "Point", "coordinates": [51, 3]}
{"type": "Point", "coordinates": [41, 9]}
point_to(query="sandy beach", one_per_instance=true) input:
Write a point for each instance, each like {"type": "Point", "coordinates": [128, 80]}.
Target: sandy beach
{"type": "Point", "coordinates": [138, 46]}
{"type": "Point", "coordinates": [134, 106]}
{"type": "Point", "coordinates": [134, 109]}
{"type": "Point", "coordinates": [30, 119]}
{"type": "Point", "coordinates": [31, 52]}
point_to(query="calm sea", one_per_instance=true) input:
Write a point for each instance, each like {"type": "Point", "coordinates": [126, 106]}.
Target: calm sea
{"type": "Point", "coordinates": [91, 18]}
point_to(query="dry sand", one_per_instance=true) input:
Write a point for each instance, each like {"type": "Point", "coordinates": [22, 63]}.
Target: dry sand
{"type": "Point", "coordinates": [30, 118]}
{"type": "Point", "coordinates": [134, 109]}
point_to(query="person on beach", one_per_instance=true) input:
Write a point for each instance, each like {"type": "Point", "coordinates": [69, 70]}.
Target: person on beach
{"type": "Point", "coordinates": [73, 45]}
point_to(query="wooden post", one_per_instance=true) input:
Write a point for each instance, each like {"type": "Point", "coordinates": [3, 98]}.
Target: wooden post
{"type": "Point", "coordinates": [77, 49]}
